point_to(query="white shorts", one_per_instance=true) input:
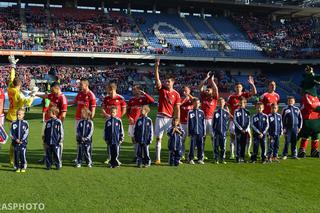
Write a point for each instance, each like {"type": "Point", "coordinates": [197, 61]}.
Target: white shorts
{"type": "Point", "coordinates": [131, 130]}
{"type": "Point", "coordinates": [208, 123]}
{"type": "Point", "coordinates": [232, 129]}
{"type": "Point", "coordinates": [185, 129]}
{"type": "Point", "coordinates": [161, 126]}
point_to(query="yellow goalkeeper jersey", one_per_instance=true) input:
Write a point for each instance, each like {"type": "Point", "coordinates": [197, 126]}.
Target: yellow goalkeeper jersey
{"type": "Point", "coordinates": [16, 99]}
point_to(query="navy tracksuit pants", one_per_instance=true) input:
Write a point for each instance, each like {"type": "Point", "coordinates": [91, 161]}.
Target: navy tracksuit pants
{"type": "Point", "coordinates": [20, 156]}
{"type": "Point", "coordinates": [291, 137]}
{"type": "Point", "coordinates": [219, 146]}
{"type": "Point", "coordinates": [84, 151]}
{"type": "Point", "coordinates": [196, 140]}
{"type": "Point", "coordinates": [53, 152]}
{"type": "Point", "coordinates": [143, 156]}
{"type": "Point", "coordinates": [274, 144]}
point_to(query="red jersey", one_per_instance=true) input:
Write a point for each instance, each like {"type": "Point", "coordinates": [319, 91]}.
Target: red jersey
{"type": "Point", "coordinates": [309, 104]}
{"type": "Point", "coordinates": [185, 107]}
{"type": "Point", "coordinates": [2, 100]}
{"type": "Point", "coordinates": [267, 99]}
{"type": "Point", "coordinates": [208, 105]}
{"type": "Point", "coordinates": [59, 101]}
{"type": "Point", "coordinates": [117, 101]}
{"type": "Point", "coordinates": [85, 99]}
{"type": "Point", "coordinates": [234, 101]}
{"type": "Point", "coordinates": [167, 101]}
{"type": "Point", "coordinates": [135, 104]}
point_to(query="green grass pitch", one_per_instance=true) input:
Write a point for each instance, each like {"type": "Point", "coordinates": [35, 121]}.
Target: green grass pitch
{"type": "Point", "coordinates": [290, 186]}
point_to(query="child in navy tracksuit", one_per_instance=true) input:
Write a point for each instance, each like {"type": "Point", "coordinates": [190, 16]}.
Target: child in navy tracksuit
{"type": "Point", "coordinates": [241, 119]}
{"type": "Point", "coordinates": [19, 132]}
{"type": "Point", "coordinates": [113, 136]}
{"type": "Point", "coordinates": [143, 134]}
{"type": "Point", "coordinates": [220, 127]}
{"type": "Point", "coordinates": [175, 134]}
{"type": "Point", "coordinates": [52, 139]}
{"type": "Point", "coordinates": [196, 130]}
{"type": "Point", "coordinates": [260, 126]}
{"type": "Point", "coordinates": [292, 124]}
{"type": "Point", "coordinates": [275, 131]}
{"type": "Point", "coordinates": [84, 138]}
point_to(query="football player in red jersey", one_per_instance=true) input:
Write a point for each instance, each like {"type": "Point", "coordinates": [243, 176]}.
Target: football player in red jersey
{"type": "Point", "coordinates": [234, 103]}
{"type": "Point", "coordinates": [269, 98]}
{"type": "Point", "coordinates": [113, 99]}
{"type": "Point", "coordinates": [186, 106]}
{"type": "Point", "coordinates": [169, 107]}
{"type": "Point", "coordinates": [208, 98]}
{"type": "Point", "coordinates": [139, 99]}
{"type": "Point", "coordinates": [59, 100]}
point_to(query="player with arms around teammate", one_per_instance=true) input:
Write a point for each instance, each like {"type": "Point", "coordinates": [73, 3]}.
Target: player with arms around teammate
{"type": "Point", "coordinates": [234, 103]}
{"type": "Point", "coordinates": [208, 98]}
{"type": "Point", "coordinates": [139, 99]}
{"type": "Point", "coordinates": [169, 107]}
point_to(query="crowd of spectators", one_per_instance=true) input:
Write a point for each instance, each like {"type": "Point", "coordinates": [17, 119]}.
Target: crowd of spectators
{"type": "Point", "coordinates": [283, 38]}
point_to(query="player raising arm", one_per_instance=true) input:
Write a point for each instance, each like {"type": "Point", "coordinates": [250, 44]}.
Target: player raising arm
{"type": "Point", "coordinates": [169, 107]}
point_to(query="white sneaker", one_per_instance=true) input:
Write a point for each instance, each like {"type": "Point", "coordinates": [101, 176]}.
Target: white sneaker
{"type": "Point", "coordinates": [78, 165]}
{"type": "Point", "coordinates": [200, 162]}
{"type": "Point", "coordinates": [191, 162]}
{"type": "Point", "coordinates": [284, 158]}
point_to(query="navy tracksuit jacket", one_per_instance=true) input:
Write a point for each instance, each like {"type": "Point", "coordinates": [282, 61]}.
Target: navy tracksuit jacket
{"type": "Point", "coordinates": [20, 131]}
{"type": "Point", "coordinates": [292, 121]}
{"type": "Point", "coordinates": [143, 134]}
{"type": "Point", "coordinates": [241, 120]}
{"type": "Point", "coordinates": [275, 131]}
{"type": "Point", "coordinates": [260, 125]}
{"type": "Point", "coordinates": [113, 135]}
{"type": "Point", "coordinates": [53, 136]}
{"type": "Point", "coordinates": [175, 145]}
{"type": "Point", "coordinates": [84, 138]}
{"type": "Point", "coordinates": [197, 131]}
{"type": "Point", "coordinates": [220, 127]}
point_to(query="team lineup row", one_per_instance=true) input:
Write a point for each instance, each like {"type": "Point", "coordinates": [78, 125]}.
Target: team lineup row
{"type": "Point", "coordinates": [171, 105]}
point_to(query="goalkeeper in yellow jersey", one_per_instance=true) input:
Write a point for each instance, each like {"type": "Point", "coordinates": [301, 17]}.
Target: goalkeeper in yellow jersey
{"type": "Point", "coordinates": [17, 99]}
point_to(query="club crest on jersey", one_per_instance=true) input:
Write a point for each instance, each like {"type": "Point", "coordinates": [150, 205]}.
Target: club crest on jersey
{"type": "Point", "coordinates": [14, 126]}
{"type": "Point", "coordinates": [109, 123]}
{"type": "Point", "coordinates": [192, 115]}
{"type": "Point", "coordinates": [256, 119]}
{"type": "Point", "coordinates": [139, 123]}
{"type": "Point", "coordinates": [217, 115]}
{"type": "Point", "coordinates": [49, 125]}
{"type": "Point", "coordinates": [271, 119]}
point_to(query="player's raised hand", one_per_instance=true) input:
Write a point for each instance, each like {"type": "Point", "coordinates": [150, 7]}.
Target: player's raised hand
{"type": "Point", "coordinates": [13, 61]}
{"type": "Point", "coordinates": [208, 75]}
{"type": "Point", "coordinates": [251, 80]}
{"type": "Point", "coordinates": [157, 63]}
{"type": "Point", "coordinates": [142, 92]}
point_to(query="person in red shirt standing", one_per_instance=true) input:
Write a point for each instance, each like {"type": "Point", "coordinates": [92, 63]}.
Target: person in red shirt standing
{"type": "Point", "coordinates": [269, 98]}
{"type": "Point", "coordinates": [168, 107]}
{"type": "Point", "coordinates": [185, 107]}
{"type": "Point", "coordinates": [234, 103]}
{"type": "Point", "coordinates": [59, 100]}
{"type": "Point", "coordinates": [139, 99]}
{"type": "Point", "coordinates": [85, 98]}
{"type": "Point", "coordinates": [113, 99]}
{"type": "Point", "coordinates": [208, 98]}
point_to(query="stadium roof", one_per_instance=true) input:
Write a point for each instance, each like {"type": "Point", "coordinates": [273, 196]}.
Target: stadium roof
{"type": "Point", "coordinates": [210, 6]}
